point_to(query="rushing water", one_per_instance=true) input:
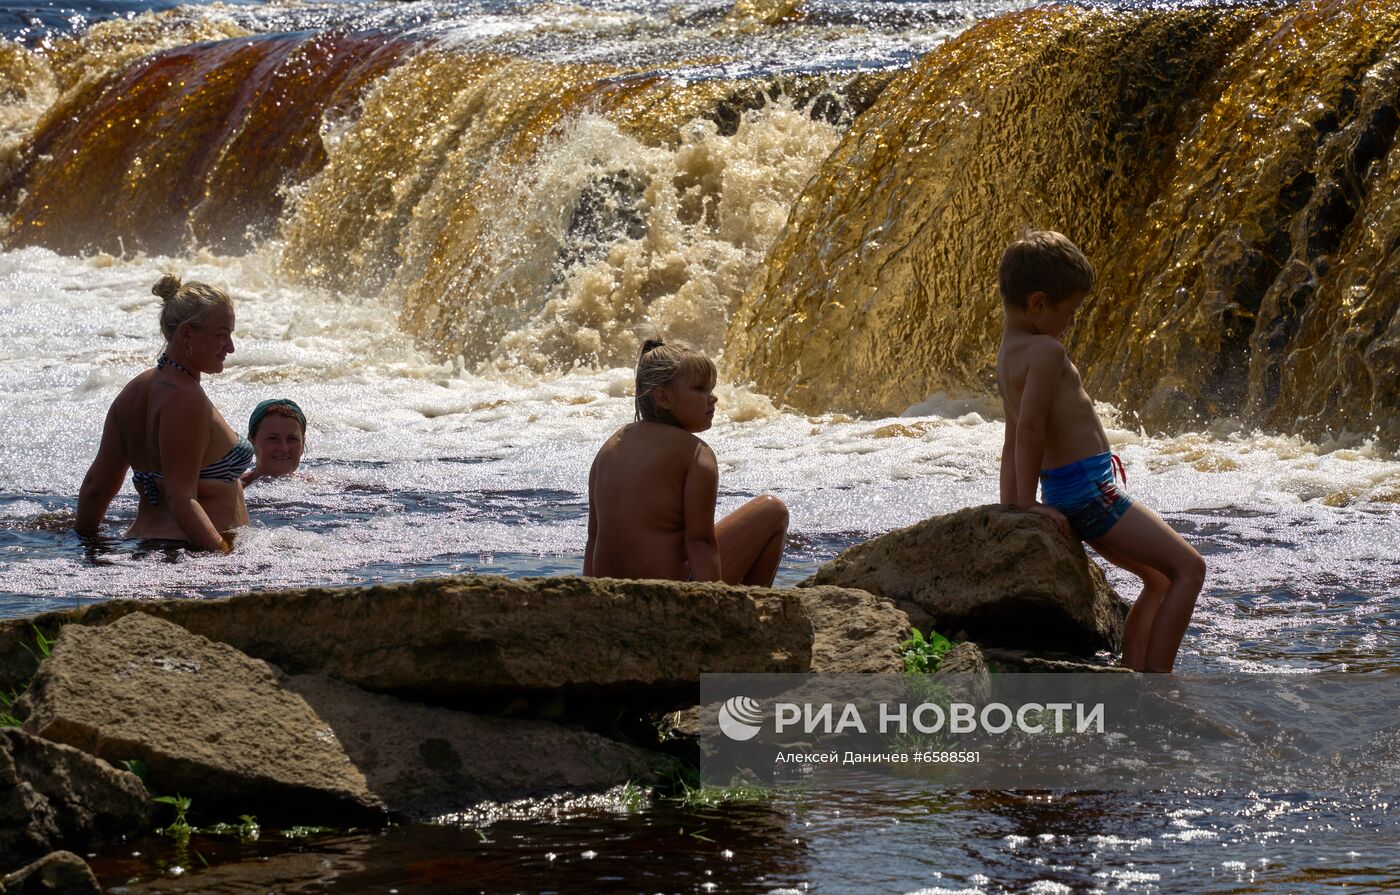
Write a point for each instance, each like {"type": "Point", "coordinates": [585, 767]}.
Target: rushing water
{"type": "Point", "coordinates": [452, 294]}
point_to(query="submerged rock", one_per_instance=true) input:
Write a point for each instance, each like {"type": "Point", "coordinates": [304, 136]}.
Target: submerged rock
{"type": "Point", "coordinates": [1004, 576]}
{"type": "Point", "coordinates": [208, 721]}
{"type": "Point", "coordinates": [54, 796]}
{"type": "Point", "coordinates": [60, 873]}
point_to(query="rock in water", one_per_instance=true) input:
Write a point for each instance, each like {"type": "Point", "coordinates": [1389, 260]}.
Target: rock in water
{"type": "Point", "coordinates": [208, 721]}
{"type": "Point", "coordinates": [425, 762]}
{"type": "Point", "coordinates": [54, 796]}
{"type": "Point", "coordinates": [1004, 576]}
{"type": "Point", "coordinates": [61, 873]}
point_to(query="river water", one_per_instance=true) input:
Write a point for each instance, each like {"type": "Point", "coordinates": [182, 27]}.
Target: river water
{"type": "Point", "coordinates": [461, 352]}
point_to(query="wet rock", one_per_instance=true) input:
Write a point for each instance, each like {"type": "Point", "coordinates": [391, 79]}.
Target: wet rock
{"type": "Point", "coordinates": [52, 796]}
{"type": "Point", "coordinates": [1005, 577]}
{"type": "Point", "coordinates": [60, 873]}
{"type": "Point", "coordinates": [1028, 662]}
{"type": "Point", "coordinates": [208, 721]}
{"type": "Point", "coordinates": [447, 639]}
{"type": "Point", "coordinates": [425, 762]}
{"type": "Point", "coordinates": [854, 632]}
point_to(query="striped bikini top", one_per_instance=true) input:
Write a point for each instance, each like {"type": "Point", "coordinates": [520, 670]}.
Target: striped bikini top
{"type": "Point", "coordinates": [227, 469]}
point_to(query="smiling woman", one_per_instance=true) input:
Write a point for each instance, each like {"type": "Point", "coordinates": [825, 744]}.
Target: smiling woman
{"type": "Point", "coordinates": [185, 459]}
{"type": "Point", "coordinates": [277, 429]}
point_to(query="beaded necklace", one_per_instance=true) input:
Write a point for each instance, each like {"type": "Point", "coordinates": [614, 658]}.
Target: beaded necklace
{"type": "Point", "coordinates": [165, 361]}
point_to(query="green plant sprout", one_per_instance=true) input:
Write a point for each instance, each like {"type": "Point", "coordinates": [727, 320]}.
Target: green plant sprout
{"type": "Point", "coordinates": [179, 828]}
{"type": "Point", "coordinates": [923, 656]}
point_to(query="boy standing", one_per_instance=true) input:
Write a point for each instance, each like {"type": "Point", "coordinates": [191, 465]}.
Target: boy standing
{"type": "Point", "coordinates": [1054, 436]}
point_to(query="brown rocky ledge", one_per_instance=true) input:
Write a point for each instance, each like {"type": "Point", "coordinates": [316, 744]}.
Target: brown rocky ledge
{"type": "Point", "coordinates": [425, 698]}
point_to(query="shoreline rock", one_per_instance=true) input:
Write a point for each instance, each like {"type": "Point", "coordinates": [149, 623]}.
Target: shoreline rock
{"type": "Point", "coordinates": [54, 796]}
{"type": "Point", "coordinates": [58, 873]}
{"type": "Point", "coordinates": [206, 720]}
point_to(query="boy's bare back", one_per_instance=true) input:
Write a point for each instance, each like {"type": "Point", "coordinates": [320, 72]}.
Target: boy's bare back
{"type": "Point", "coordinates": [643, 480]}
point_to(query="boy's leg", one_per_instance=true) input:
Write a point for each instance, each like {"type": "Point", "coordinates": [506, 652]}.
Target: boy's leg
{"type": "Point", "coordinates": [1142, 537]}
{"type": "Point", "coordinates": [1137, 630]}
{"type": "Point", "coordinates": [751, 541]}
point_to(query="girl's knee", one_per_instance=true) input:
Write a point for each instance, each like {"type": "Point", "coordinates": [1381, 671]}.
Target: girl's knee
{"type": "Point", "coordinates": [773, 508]}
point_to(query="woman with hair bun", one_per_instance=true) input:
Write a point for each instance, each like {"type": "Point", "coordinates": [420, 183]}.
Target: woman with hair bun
{"type": "Point", "coordinates": [185, 459]}
{"type": "Point", "coordinates": [653, 487]}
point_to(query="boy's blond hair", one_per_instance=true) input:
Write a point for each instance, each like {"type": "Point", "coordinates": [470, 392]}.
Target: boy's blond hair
{"type": "Point", "coordinates": [1043, 261]}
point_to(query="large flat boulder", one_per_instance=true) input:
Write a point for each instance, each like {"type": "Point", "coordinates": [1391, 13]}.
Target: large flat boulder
{"type": "Point", "coordinates": [446, 639]}
{"type": "Point", "coordinates": [54, 796]}
{"type": "Point", "coordinates": [208, 721]}
{"type": "Point", "coordinates": [425, 762]}
{"type": "Point", "coordinates": [1003, 576]}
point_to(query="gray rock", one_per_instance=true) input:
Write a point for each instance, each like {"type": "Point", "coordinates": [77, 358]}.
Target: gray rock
{"type": "Point", "coordinates": [208, 721]}
{"type": "Point", "coordinates": [426, 762]}
{"type": "Point", "coordinates": [963, 658]}
{"type": "Point", "coordinates": [854, 632]}
{"type": "Point", "coordinates": [60, 873]}
{"type": "Point", "coordinates": [1005, 577]}
{"type": "Point", "coordinates": [54, 796]}
{"type": "Point", "coordinates": [446, 639]}
{"type": "Point", "coordinates": [965, 669]}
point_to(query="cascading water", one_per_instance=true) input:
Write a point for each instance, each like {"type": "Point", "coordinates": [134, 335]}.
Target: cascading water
{"type": "Point", "coordinates": [1228, 170]}
{"type": "Point", "coordinates": [448, 225]}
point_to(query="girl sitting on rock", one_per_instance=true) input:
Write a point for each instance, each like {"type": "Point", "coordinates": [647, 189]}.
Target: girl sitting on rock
{"type": "Point", "coordinates": [653, 485]}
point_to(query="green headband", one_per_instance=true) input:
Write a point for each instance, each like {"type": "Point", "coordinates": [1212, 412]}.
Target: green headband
{"type": "Point", "coordinates": [261, 411]}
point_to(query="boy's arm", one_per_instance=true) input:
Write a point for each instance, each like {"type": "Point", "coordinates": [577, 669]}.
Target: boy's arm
{"type": "Point", "coordinates": [1045, 366]}
{"type": "Point", "coordinates": [701, 492]}
{"type": "Point", "coordinates": [1008, 464]}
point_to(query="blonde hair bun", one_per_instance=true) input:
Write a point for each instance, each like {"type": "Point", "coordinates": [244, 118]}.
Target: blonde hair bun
{"type": "Point", "coordinates": [166, 287]}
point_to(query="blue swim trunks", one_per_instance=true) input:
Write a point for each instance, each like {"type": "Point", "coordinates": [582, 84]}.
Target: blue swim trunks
{"type": "Point", "coordinates": [1085, 492]}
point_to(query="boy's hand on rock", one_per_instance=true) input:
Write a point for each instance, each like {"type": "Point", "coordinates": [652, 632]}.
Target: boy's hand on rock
{"type": "Point", "coordinates": [1055, 516]}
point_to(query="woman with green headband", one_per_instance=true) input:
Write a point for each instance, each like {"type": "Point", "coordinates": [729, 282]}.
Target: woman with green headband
{"type": "Point", "coordinates": [277, 430]}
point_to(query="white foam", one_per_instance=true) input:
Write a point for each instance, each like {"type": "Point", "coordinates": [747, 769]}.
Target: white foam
{"type": "Point", "coordinates": [386, 419]}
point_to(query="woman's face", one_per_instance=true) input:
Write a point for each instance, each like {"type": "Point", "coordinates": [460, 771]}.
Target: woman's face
{"type": "Point", "coordinates": [278, 445]}
{"type": "Point", "coordinates": [205, 345]}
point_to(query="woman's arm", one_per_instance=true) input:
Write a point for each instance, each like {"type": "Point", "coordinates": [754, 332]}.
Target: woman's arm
{"type": "Point", "coordinates": [592, 524]}
{"type": "Point", "coordinates": [104, 477]}
{"type": "Point", "coordinates": [701, 492]}
{"type": "Point", "coordinates": [184, 435]}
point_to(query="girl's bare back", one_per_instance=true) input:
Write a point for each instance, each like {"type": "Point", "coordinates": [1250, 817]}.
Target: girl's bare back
{"type": "Point", "coordinates": [637, 499]}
